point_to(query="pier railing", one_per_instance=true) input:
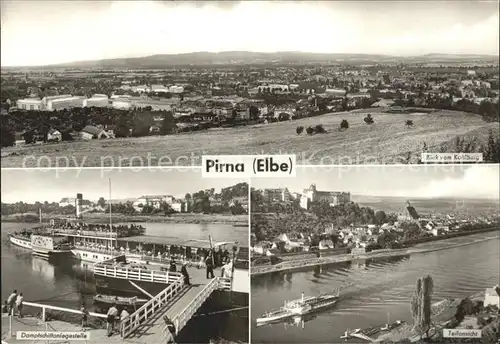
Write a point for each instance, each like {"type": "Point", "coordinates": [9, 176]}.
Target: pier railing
{"type": "Point", "coordinates": [136, 274]}
{"type": "Point", "coordinates": [55, 308]}
{"type": "Point", "coordinates": [181, 319]}
{"type": "Point", "coordinates": [131, 323]}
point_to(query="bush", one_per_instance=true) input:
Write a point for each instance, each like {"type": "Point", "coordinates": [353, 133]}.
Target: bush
{"type": "Point", "coordinates": [369, 119]}
{"type": "Point", "coordinates": [299, 130]}
{"type": "Point", "coordinates": [319, 129]}
{"type": "Point", "coordinates": [409, 123]}
{"type": "Point", "coordinates": [310, 130]}
{"type": "Point", "coordinates": [344, 124]}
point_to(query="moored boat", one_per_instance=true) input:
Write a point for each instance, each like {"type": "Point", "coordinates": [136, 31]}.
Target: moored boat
{"type": "Point", "coordinates": [20, 240]}
{"type": "Point", "coordinates": [48, 247]}
{"type": "Point", "coordinates": [370, 333]}
{"type": "Point", "coordinates": [302, 306]}
{"type": "Point", "coordinates": [106, 301]}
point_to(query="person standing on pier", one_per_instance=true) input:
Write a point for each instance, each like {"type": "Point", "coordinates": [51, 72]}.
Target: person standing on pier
{"type": "Point", "coordinates": [185, 274]}
{"type": "Point", "coordinates": [209, 263]}
{"type": "Point", "coordinates": [11, 301]}
{"type": "Point", "coordinates": [171, 328]}
{"type": "Point", "coordinates": [19, 305]}
{"type": "Point", "coordinates": [112, 314]}
{"type": "Point", "coordinates": [85, 317]}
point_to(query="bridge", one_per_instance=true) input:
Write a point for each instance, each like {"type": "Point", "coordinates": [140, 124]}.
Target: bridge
{"type": "Point", "coordinates": [179, 302]}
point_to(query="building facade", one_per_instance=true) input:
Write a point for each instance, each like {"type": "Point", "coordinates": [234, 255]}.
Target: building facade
{"type": "Point", "coordinates": [153, 201]}
{"type": "Point", "coordinates": [30, 104]}
{"type": "Point", "coordinates": [333, 198]}
{"type": "Point", "coordinates": [65, 103]}
{"type": "Point", "coordinates": [276, 195]}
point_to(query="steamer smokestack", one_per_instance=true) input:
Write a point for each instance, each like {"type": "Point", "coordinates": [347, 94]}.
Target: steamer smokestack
{"type": "Point", "coordinates": [78, 205]}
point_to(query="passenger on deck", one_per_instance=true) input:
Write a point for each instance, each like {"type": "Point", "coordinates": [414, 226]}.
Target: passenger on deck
{"type": "Point", "coordinates": [209, 263]}
{"type": "Point", "coordinates": [185, 274]}
{"type": "Point", "coordinates": [173, 267]}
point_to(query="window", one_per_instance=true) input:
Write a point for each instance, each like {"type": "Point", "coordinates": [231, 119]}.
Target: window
{"type": "Point", "coordinates": [32, 107]}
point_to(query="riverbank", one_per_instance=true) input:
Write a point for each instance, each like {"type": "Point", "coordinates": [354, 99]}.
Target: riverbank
{"type": "Point", "coordinates": [186, 218]}
{"type": "Point", "coordinates": [307, 263]}
{"type": "Point", "coordinates": [463, 313]}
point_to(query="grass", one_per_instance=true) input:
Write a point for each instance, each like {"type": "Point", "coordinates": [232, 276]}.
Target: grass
{"type": "Point", "coordinates": [387, 141]}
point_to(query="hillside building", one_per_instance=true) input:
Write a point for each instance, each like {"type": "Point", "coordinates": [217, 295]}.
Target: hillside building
{"type": "Point", "coordinates": [276, 195]}
{"type": "Point", "coordinates": [333, 198]}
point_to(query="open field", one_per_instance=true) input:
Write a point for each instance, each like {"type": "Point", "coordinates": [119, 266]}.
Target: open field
{"type": "Point", "coordinates": [387, 141]}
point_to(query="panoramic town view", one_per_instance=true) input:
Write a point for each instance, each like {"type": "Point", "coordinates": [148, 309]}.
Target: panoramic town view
{"type": "Point", "coordinates": [358, 254]}
{"type": "Point", "coordinates": [169, 108]}
{"type": "Point", "coordinates": [167, 259]}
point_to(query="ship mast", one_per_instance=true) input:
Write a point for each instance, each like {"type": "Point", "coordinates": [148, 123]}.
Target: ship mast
{"type": "Point", "coordinates": [110, 219]}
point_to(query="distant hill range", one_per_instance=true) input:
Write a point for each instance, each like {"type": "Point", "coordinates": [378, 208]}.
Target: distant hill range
{"type": "Point", "coordinates": [256, 58]}
{"type": "Point", "coordinates": [427, 205]}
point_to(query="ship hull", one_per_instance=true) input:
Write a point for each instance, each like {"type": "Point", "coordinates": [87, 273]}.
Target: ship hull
{"type": "Point", "coordinates": [90, 256]}
{"type": "Point", "coordinates": [317, 305]}
{"type": "Point", "coordinates": [24, 243]}
{"type": "Point", "coordinates": [51, 254]}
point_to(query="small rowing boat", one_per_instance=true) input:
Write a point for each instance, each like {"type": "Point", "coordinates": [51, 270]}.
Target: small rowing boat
{"type": "Point", "coordinates": [300, 307]}
{"type": "Point", "coordinates": [109, 300]}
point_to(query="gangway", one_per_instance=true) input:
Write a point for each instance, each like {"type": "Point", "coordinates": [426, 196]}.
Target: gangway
{"type": "Point", "coordinates": [177, 301]}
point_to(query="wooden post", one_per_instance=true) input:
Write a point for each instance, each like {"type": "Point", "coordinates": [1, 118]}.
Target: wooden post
{"type": "Point", "coordinates": [43, 314]}
{"type": "Point", "coordinates": [10, 326]}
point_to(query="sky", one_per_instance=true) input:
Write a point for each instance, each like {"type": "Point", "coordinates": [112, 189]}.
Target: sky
{"type": "Point", "coordinates": [30, 186]}
{"type": "Point", "coordinates": [420, 181]}
{"type": "Point", "coordinates": [51, 32]}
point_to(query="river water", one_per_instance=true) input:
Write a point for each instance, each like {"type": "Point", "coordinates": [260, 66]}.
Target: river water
{"type": "Point", "coordinates": [373, 290]}
{"type": "Point", "coordinates": [195, 231]}
{"type": "Point", "coordinates": [67, 284]}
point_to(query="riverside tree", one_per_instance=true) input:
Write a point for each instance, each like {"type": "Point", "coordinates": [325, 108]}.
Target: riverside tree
{"type": "Point", "coordinates": [421, 305]}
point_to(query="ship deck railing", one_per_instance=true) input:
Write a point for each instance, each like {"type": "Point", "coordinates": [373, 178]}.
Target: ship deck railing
{"type": "Point", "coordinates": [96, 250]}
{"type": "Point", "coordinates": [78, 232]}
{"type": "Point", "coordinates": [136, 274]}
{"type": "Point", "coordinates": [142, 256]}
